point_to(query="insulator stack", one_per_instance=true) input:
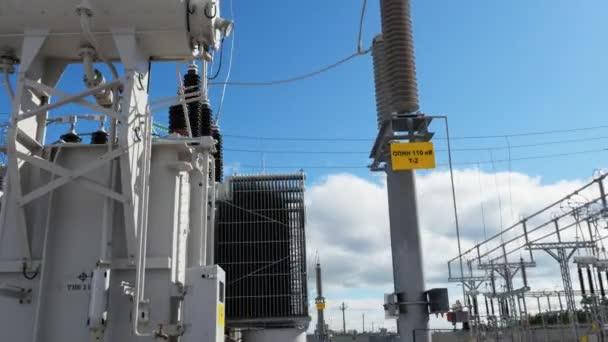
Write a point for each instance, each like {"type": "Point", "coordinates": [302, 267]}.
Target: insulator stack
{"type": "Point", "coordinates": [401, 63]}
{"type": "Point", "coordinates": [192, 84]}
{"type": "Point", "coordinates": [581, 281]}
{"type": "Point", "coordinates": [177, 120]}
{"type": "Point", "coordinates": [493, 282]}
{"type": "Point", "coordinates": [601, 283]}
{"type": "Point", "coordinates": [382, 83]}
{"type": "Point", "coordinates": [523, 273]}
{"type": "Point", "coordinates": [487, 308]}
{"type": "Point", "coordinates": [475, 306]}
{"type": "Point", "coordinates": [206, 116]}
{"type": "Point", "coordinates": [590, 278]}
{"type": "Point", "coordinates": [219, 154]}
{"type": "Point", "coordinates": [100, 137]}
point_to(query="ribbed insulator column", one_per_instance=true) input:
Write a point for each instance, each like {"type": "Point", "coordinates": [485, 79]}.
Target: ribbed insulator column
{"type": "Point", "coordinates": [401, 63]}
{"type": "Point", "coordinates": [219, 154]}
{"type": "Point", "coordinates": [383, 89]}
{"type": "Point", "coordinates": [177, 120]}
{"type": "Point", "coordinates": [192, 84]}
{"type": "Point", "coordinates": [206, 116]}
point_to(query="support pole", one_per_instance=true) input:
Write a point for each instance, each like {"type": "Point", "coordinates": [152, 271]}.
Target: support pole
{"type": "Point", "coordinates": [406, 251]}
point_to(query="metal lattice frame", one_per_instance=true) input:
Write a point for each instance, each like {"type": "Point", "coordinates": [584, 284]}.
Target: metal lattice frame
{"type": "Point", "coordinates": [261, 246]}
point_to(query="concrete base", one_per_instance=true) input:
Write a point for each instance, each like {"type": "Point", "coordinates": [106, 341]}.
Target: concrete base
{"type": "Point", "coordinates": [274, 335]}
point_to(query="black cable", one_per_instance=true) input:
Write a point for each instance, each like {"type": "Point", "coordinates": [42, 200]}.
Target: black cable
{"type": "Point", "coordinates": [25, 275]}
{"type": "Point", "coordinates": [219, 68]}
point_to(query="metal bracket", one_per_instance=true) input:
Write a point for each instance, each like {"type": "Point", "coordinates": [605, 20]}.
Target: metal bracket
{"type": "Point", "coordinates": [166, 331]}
{"type": "Point", "coordinates": [22, 294]}
{"type": "Point", "coordinates": [407, 127]}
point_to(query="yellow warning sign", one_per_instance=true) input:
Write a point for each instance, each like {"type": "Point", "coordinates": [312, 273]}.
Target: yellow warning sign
{"type": "Point", "coordinates": [221, 315]}
{"type": "Point", "coordinates": [320, 306]}
{"type": "Point", "coordinates": [412, 156]}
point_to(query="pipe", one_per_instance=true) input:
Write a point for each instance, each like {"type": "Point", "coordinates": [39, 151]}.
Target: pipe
{"type": "Point", "coordinates": [143, 232]}
{"type": "Point", "coordinates": [86, 29]}
{"type": "Point", "coordinates": [45, 244]}
{"type": "Point", "coordinates": [211, 224]}
{"type": "Point", "coordinates": [203, 252]}
{"type": "Point", "coordinates": [87, 62]}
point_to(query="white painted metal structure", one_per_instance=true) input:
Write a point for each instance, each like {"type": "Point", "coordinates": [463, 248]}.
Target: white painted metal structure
{"type": "Point", "coordinates": [99, 242]}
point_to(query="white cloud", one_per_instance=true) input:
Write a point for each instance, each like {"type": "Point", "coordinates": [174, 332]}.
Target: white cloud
{"type": "Point", "coordinates": [348, 226]}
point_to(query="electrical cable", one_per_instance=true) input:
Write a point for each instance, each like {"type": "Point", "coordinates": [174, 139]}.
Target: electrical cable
{"type": "Point", "coordinates": [229, 73]}
{"type": "Point", "coordinates": [219, 67]}
{"type": "Point", "coordinates": [296, 78]}
{"type": "Point", "coordinates": [512, 135]}
{"type": "Point", "coordinates": [510, 171]}
{"type": "Point", "coordinates": [498, 193]}
{"type": "Point", "coordinates": [554, 142]}
{"type": "Point", "coordinates": [496, 161]}
{"type": "Point", "coordinates": [360, 41]}
{"type": "Point", "coordinates": [483, 214]}
{"type": "Point", "coordinates": [359, 52]}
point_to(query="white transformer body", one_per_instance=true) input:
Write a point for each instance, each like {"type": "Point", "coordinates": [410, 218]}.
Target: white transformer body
{"type": "Point", "coordinates": [59, 303]}
{"type": "Point", "coordinates": [165, 29]}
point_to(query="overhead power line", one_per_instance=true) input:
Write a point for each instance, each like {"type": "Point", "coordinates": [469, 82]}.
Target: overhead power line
{"type": "Point", "coordinates": [496, 161]}
{"type": "Point", "coordinates": [510, 135]}
{"type": "Point", "coordinates": [293, 79]}
{"type": "Point", "coordinates": [489, 148]}
{"type": "Point", "coordinates": [360, 52]}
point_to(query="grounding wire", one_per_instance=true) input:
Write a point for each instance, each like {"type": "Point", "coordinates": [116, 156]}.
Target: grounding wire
{"type": "Point", "coordinates": [229, 73]}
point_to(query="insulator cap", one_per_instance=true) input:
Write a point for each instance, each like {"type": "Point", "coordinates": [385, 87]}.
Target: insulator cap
{"type": "Point", "coordinates": [71, 138]}
{"type": "Point", "coordinates": [100, 137]}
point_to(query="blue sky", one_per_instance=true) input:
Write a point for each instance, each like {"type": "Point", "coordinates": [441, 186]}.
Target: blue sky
{"type": "Point", "coordinates": [494, 67]}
